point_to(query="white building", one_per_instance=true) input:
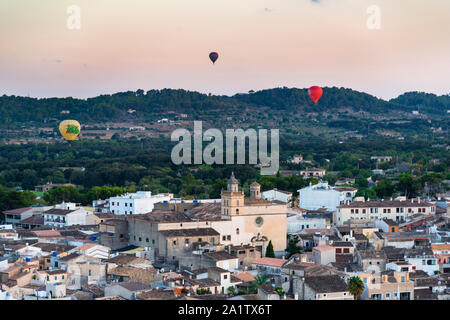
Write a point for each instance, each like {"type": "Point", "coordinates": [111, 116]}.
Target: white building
{"type": "Point", "coordinates": [300, 222]}
{"type": "Point", "coordinates": [93, 250]}
{"type": "Point", "coordinates": [136, 203]}
{"type": "Point", "coordinates": [423, 259]}
{"type": "Point", "coordinates": [66, 214]}
{"type": "Point", "coordinates": [297, 159]}
{"type": "Point", "coordinates": [369, 211]}
{"type": "Point", "coordinates": [346, 194]}
{"type": "Point", "coordinates": [399, 266]}
{"type": "Point", "coordinates": [322, 195]}
{"type": "Point", "coordinates": [278, 195]}
{"type": "Point", "coordinates": [313, 172]}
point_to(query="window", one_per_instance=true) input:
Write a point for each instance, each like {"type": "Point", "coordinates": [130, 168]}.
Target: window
{"type": "Point", "coordinates": [131, 205]}
{"type": "Point", "coordinates": [153, 241]}
{"type": "Point", "coordinates": [174, 242]}
{"type": "Point", "coordinates": [126, 204]}
{"type": "Point", "coordinates": [237, 231]}
{"type": "Point", "coordinates": [147, 240]}
{"type": "Point", "coordinates": [388, 295]}
{"type": "Point", "coordinates": [186, 241]}
{"type": "Point", "coordinates": [237, 211]}
{"type": "Point", "coordinates": [363, 210]}
{"type": "Point", "coordinates": [134, 237]}
{"type": "Point", "coordinates": [224, 238]}
{"type": "Point", "coordinates": [228, 238]}
{"type": "Point", "coordinates": [403, 278]}
{"type": "Point", "coordinates": [56, 277]}
{"type": "Point", "coordinates": [112, 203]}
{"type": "Point", "coordinates": [140, 239]}
{"type": "Point", "coordinates": [225, 276]}
{"type": "Point", "coordinates": [62, 277]}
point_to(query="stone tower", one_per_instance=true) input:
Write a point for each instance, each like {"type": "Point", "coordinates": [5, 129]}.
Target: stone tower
{"type": "Point", "coordinates": [255, 190]}
{"type": "Point", "coordinates": [232, 198]}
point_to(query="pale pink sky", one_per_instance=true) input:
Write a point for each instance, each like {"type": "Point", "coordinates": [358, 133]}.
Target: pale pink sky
{"type": "Point", "coordinates": [154, 44]}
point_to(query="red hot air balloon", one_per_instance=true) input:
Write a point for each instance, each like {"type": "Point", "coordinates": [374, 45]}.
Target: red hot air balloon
{"type": "Point", "coordinates": [214, 56]}
{"type": "Point", "coordinates": [315, 93]}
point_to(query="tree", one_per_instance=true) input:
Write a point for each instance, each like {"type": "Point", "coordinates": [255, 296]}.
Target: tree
{"type": "Point", "coordinates": [269, 251]}
{"type": "Point", "coordinates": [232, 291]}
{"type": "Point", "coordinates": [280, 291]}
{"type": "Point", "coordinates": [292, 247]}
{"type": "Point", "coordinates": [260, 279]}
{"type": "Point", "coordinates": [366, 193]}
{"type": "Point", "coordinates": [356, 287]}
{"type": "Point", "coordinates": [384, 188]}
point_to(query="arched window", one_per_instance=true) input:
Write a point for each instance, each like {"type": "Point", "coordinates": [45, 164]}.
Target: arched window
{"type": "Point", "coordinates": [237, 211]}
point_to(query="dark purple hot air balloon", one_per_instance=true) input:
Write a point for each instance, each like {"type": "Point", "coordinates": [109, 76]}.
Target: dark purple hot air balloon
{"type": "Point", "coordinates": [214, 56]}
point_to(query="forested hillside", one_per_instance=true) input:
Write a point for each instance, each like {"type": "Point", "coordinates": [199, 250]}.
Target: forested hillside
{"type": "Point", "coordinates": [152, 103]}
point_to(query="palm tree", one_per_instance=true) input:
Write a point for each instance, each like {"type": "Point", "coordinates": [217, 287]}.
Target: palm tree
{"type": "Point", "coordinates": [260, 279]}
{"type": "Point", "coordinates": [356, 287]}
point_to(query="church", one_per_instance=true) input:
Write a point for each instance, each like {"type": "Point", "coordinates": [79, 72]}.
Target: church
{"type": "Point", "coordinates": [236, 220]}
{"type": "Point", "coordinates": [251, 220]}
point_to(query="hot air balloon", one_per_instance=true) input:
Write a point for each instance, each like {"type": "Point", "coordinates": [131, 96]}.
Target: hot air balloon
{"type": "Point", "coordinates": [315, 93]}
{"type": "Point", "coordinates": [70, 129]}
{"type": "Point", "coordinates": [214, 56]}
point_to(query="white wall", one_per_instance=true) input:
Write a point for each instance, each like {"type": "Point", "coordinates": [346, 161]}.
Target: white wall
{"type": "Point", "coordinates": [318, 196]}
{"type": "Point", "coordinates": [272, 195]}
{"type": "Point", "coordinates": [300, 222]}
{"type": "Point", "coordinates": [418, 263]}
{"type": "Point", "coordinates": [135, 203]}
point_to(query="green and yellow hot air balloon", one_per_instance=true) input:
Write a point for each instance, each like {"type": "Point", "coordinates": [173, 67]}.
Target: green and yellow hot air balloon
{"type": "Point", "coordinates": [70, 129]}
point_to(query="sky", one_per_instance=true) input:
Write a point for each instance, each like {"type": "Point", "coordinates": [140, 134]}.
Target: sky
{"type": "Point", "coordinates": [153, 44]}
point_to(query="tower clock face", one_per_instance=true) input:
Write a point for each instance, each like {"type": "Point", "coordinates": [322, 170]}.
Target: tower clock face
{"type": "Point", "coordinates": [259, 221]}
